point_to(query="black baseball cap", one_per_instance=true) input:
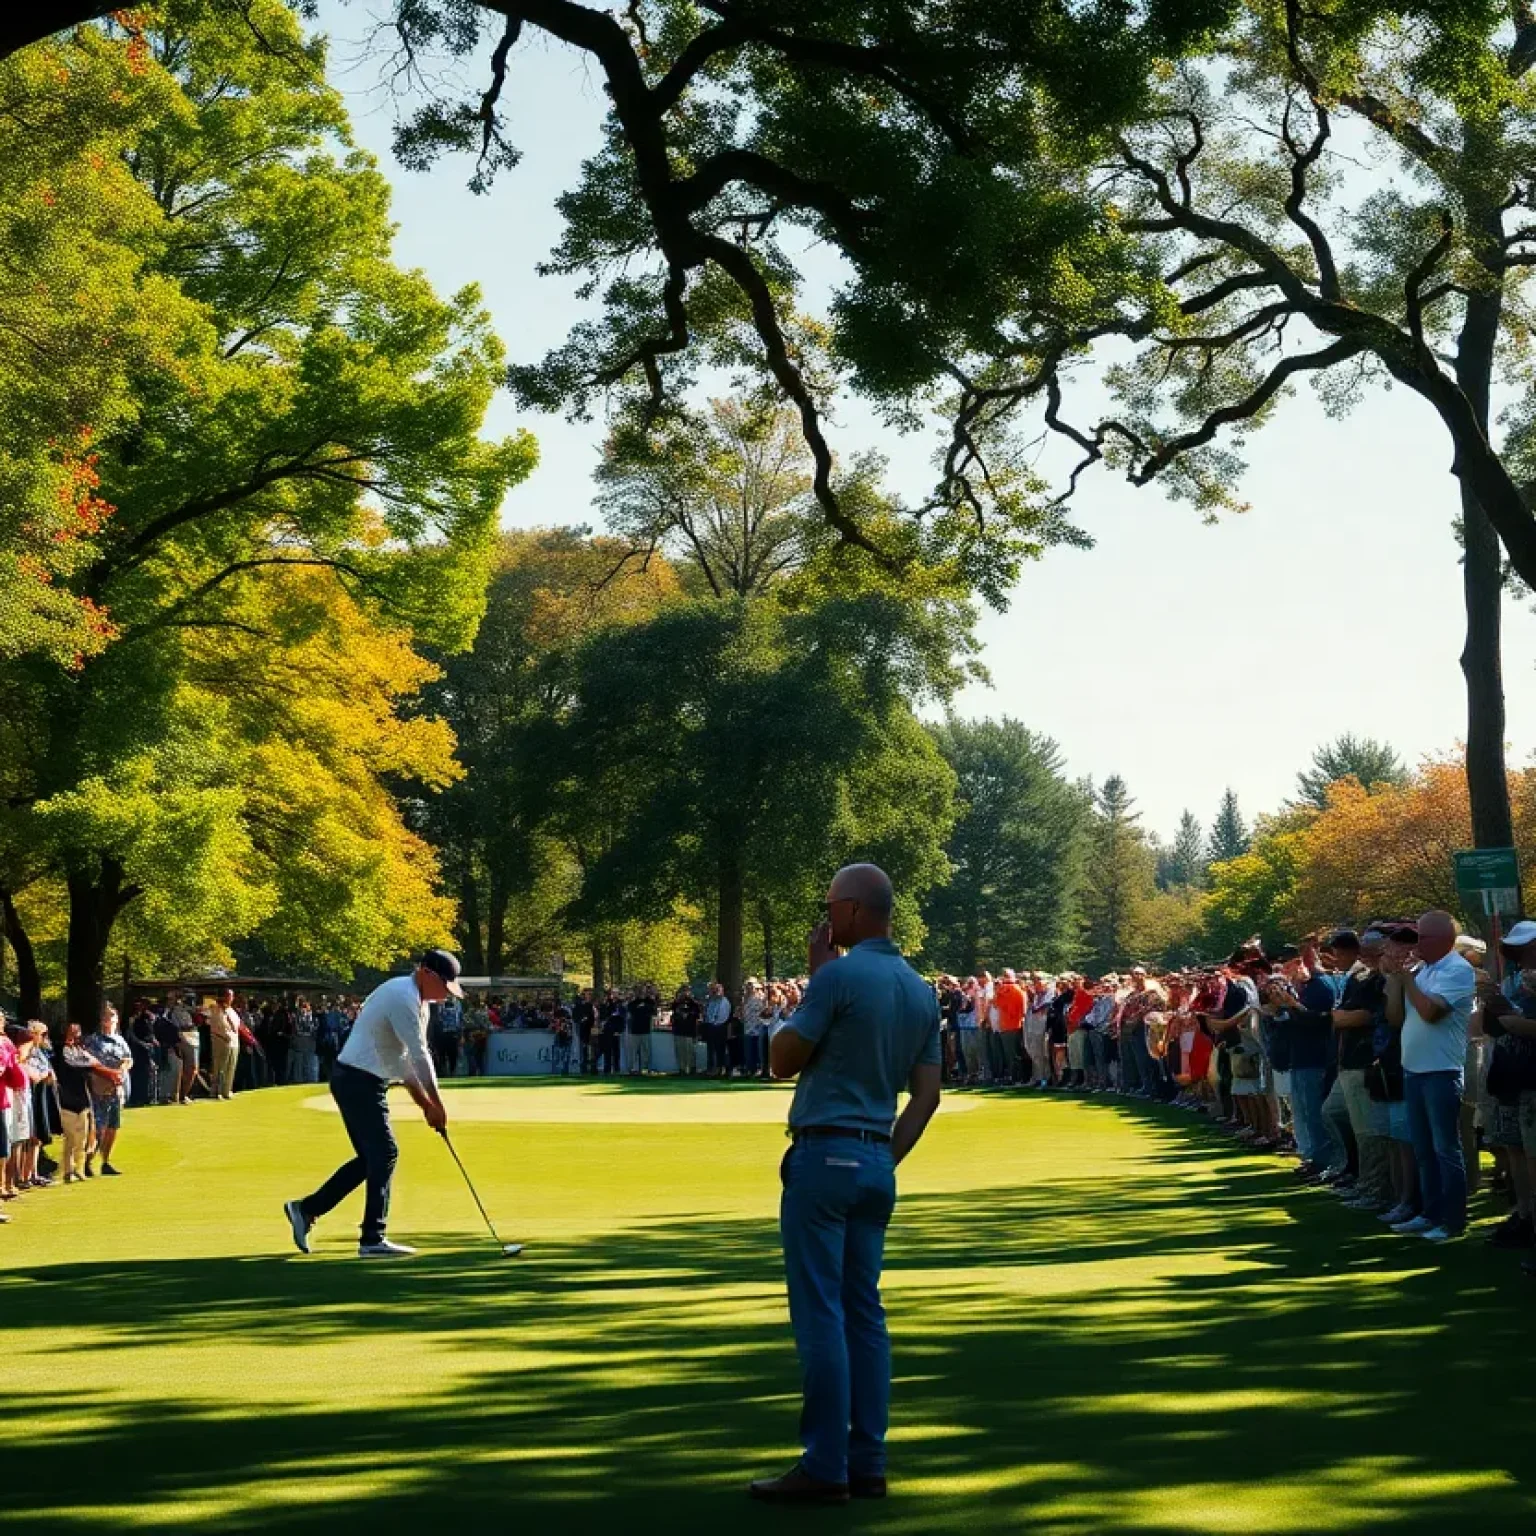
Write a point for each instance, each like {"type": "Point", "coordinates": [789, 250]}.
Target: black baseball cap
{"type": "Point", "coordinates": [441, 963]}
{"type": "Point", "coordinates": [1343, 938]}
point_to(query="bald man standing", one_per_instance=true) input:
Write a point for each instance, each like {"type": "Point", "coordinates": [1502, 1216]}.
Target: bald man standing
{"type": "Point", "coordinates": [867, 1028]}
{"type": "Point", "coordinates": [1433, 1004]}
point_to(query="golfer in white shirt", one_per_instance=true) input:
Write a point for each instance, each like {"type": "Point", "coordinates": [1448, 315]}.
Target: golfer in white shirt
{"type": "Point", "coordinates": [388, 1043]}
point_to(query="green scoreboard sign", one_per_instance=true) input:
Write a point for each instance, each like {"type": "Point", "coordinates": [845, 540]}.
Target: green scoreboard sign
{"type": "Point", "coordinates": [1488, 881]}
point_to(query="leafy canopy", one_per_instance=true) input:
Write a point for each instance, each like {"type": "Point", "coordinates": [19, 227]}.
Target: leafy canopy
{"type": "Point", "coordinates": [299, 488]}
{"type": "Point", "coordinates": [923, 144]}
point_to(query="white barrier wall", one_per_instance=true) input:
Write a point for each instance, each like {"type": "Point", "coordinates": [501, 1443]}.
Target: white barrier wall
{"type": "Point", "coordinates": [530, 1053]}
{"type": "Point", "coordinates": [519, 1053]}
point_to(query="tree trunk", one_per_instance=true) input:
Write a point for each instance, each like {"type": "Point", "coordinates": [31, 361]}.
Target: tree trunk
{"type": "Point", "coordinates": [970, 943]}
{"type": "Point", "coordinates": [29, 985]}
{"type": "Point", "coordinates": [599, 970]}
{"type": "Point", "coordinates": [765, 916]}
{"type": "Point", "coordinates": [95, 899]}
{"type": "Point", "coordinates": [469, 924]}
{"type": "Point", "coordinates": [730, 923]}
{"type": "Point", "coordinates": [616, 963]}
{"type": "Point", "coordinates": [1482, 666]}
{"type": "Point", "coordinates": [496, 923]}
{"type": "Point", "coordinates": [1482, 585]}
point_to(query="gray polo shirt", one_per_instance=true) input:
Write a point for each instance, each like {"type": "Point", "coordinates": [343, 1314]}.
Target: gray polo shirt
{"type": "Point", "coordinates": [874, 1019]}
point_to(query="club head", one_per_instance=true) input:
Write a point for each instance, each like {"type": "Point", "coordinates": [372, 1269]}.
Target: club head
{"type": "Point", "coordinates": [511, 1250]}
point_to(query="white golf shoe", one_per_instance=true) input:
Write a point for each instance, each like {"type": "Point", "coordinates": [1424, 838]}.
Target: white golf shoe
{"type": "Point", "coordinates": [384, 1249]}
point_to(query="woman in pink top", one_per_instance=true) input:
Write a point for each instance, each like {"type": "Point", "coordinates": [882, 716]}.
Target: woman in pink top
{"type": "Point", "coordinates": [14, 1084]}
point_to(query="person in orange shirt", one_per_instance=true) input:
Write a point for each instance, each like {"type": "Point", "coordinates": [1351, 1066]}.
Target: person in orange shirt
{"type": "Point", "coordinates": [1009, 1036]}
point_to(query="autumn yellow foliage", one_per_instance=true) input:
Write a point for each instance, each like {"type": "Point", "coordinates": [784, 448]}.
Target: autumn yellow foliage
{"type": "Point", "coordinates": [1389, 852]}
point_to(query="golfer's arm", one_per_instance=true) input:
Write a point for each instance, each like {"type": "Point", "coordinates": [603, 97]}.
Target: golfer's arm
{"type": "Point", "coordinates": [924, 1086]}
{"type": "Point", "coordinates": [421, 1082]}
{"type": "Point", "coordinates": [423, 1093]}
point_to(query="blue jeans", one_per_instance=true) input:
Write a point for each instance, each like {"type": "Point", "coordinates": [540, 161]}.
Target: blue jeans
{"type": "Point", "coordinates": [361, 1098]}
{"type": "Point", "coordinates": [839, 1193]}
{"type": "Point", "coordinates": [1433, 1100]}
{"type": "Point", "coordinates": [1314, 1136]}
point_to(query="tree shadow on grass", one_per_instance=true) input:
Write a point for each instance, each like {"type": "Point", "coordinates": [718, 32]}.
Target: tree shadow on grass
{"type": "Point", "coordinates": [1227, 1353]}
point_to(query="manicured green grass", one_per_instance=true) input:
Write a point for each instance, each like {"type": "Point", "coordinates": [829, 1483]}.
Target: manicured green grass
{"type": "Point", "coordinates": [1104, 1321]}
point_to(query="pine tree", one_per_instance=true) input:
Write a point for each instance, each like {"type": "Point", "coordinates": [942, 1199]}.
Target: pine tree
{"type": "Point", "coordinates": [1373, 763]}
{"type": "Point", "coordinates": [1017, 852]}
{"type": "Point", "coordinates": [1120, 877]}
{"type": "Point", "coordinates": [1186, 860]}
{"type": "Point", "coordinates": [1230, 837]}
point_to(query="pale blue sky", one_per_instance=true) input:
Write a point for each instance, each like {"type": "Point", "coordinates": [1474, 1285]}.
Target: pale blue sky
{"type": "Point", "coordinates": [1184, 657]}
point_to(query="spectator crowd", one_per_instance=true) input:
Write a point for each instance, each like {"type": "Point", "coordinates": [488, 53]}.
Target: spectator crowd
{"type": "Point", "coordinates": [1386, 1060]}
{"type": "Point", "coordinates": [62, 1097]}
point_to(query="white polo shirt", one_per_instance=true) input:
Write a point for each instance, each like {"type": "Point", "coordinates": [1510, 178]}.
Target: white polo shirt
{"type": "Point", "coordinates": [1441, 1046]}
{"type": "Point", "coordinates": [389, 1038]}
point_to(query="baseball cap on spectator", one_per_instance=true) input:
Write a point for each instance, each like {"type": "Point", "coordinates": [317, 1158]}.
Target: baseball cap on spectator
{"type": "Point", "coordinates": [1521, 934]}
{"type": "Point", "coordinates": [1344, 938]}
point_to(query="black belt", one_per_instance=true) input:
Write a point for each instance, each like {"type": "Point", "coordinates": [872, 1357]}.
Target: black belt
{"type": "Point", "coordinates": [879, 1137]}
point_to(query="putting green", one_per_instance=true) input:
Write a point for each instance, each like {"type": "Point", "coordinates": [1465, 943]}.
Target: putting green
{"type": "Point", "coordinates": [585, 1101]}
{"type": "Point", "coordinates": [1103, 1319]}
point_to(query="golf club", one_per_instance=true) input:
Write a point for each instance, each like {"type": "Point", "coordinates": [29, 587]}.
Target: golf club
{"type": "Point", "coordinates": [508, 1250]}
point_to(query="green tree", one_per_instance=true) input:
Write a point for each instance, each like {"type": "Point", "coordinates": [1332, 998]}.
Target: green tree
{"type": "Point", "coordinates": [726, 492]}
{"type": "Point", "coordinates": [1172, 927]}
{"type": "Point", "coordinates": [1017, 852]}
{"type": "Point", "coordinates": [511, 870]}
{"type": "Point", "coordinates": [1271, 259]}
{"type": "Point", "coordinates": [1187, 861]}
{"type": "Point", "coordinates": [1120, 882]}
{"type": "Point", "coordinates": [307, 481]}
{"type": "Point", "coordinates": [1370, 763]}
{"type": "Point", "coordinates": [1229, 832]}
{"type": "Point", "coordinates": [909, 139]}
{"type": "Point", "coordinates": [1252, 894]}
{"type": "Point", "coordinates": [84, 322]}
{"type": "Point", "coordinates": [742, 747]}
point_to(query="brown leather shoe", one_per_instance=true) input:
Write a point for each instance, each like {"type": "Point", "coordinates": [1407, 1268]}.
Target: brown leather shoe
{"type": "Point", "coordinates": [797, 1486]}
{"type": "Point", "coordinates": [866, 1487]}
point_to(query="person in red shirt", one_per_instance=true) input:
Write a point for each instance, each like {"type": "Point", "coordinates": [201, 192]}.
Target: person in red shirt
{"type": "Point", "coordinates": [1077, 1041]}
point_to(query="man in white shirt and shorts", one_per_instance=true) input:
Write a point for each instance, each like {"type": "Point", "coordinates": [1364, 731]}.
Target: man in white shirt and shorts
{"type": "Point", "coordinates": [388, 1043]}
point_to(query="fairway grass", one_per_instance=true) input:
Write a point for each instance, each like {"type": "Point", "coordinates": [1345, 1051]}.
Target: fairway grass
{"type": "Point", "coordinates": [1105, 1320]}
